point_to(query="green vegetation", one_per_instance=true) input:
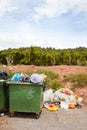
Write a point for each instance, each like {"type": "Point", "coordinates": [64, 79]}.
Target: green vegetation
{"type": "Point", "coordinates": [51, 78]}
{"type": "Point", "coordinates": [44, 56]}
{"type": "Point", "coordinates": [54, 84]}
{"type": "Point", "coordinates": [78, 80]}
{"type": "Point", "coordinates": [50, 74]}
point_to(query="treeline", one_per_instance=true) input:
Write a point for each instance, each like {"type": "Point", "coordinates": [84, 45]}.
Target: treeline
{"type": "Point", "coordinates": [44, 56]}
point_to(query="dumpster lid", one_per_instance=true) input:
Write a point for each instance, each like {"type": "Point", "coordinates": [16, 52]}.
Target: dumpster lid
{"type": "Point", "coordinates": [2, 81]}
{"type": "Point", "coordinates": [24, 83]}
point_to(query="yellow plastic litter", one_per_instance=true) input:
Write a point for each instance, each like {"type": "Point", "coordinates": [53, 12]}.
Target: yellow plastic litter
{"type": "Point", "coordinates": [51, 107]}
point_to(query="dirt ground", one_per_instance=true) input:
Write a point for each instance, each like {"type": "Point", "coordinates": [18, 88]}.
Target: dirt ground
{"type": "Point", "coordinates": [71, 119]}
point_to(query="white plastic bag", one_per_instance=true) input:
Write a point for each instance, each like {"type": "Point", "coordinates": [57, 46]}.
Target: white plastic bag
{"type": "Point", "coordinates": [64, 105]}
{"type": "Point", "coordinates": [48, 95]}
{"type": "Point", "coordinates": [36, 78]}
{"type": "Point", "coordinates": [59, 96]}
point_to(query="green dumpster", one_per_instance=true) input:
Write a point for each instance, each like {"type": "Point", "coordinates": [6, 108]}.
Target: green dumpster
{"type": "Point", "coordinates": [3, 96]}
{"type": "Point", "coordinates": [25, 97]}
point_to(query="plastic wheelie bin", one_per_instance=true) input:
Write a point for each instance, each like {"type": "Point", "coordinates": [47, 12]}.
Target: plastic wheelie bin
{"type": "Point", "coordinates": [3, 96]}
{"type": "Point", "coordinates": [25, 97]}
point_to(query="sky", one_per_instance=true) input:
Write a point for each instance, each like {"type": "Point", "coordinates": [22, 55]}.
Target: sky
{"type": "Point", "coordinates": [58, 24]}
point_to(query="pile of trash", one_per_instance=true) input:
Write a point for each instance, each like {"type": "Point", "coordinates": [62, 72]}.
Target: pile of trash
{"type": "Point", "coordinates": [3, 75]}
{"type": "Point", "coordinates": [66, 98]}
{"type": "Point", "coordinates": [34, 78]}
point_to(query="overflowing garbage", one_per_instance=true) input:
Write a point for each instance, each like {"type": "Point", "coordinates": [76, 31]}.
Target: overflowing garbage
{"type": "Point", "coordinates": [50, 106]}
{"type": "Point", "coordinates": [52, 100]}
{"type": "Point", "coordinates": [64, 96]}
{"type": "Point", "coordinates": [3, 75]}
{"type": "Point", "coordinates": [34, 78]}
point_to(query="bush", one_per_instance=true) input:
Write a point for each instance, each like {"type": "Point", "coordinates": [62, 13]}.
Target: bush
{"type": "Point", "coordinates": [50, 74]}
{"type": "Point", "coordinates": [78, 80]}
{"type": "Point", "coordinates": [54, 84]}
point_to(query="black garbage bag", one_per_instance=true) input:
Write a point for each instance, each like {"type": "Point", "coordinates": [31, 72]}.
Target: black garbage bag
{"type": "Point", "coordinates": [3, 75]}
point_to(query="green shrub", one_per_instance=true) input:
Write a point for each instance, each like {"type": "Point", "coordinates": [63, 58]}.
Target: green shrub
{"type": "Point", "coordinates": [78, 80]}
{"type": "Point", "coordinates": [50, 74]}
{"type": "Point", "coordinates": [54, 84]}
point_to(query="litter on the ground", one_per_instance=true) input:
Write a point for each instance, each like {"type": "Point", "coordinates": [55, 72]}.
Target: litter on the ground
{"type": "Point", "coordinates": [2, 114]}
{"type": "Point", "coordinates": [48, 95]}
{"type": "Point", "coordinates": [50, 106]}
{"type": "Point", "coordinates": [64, 96]}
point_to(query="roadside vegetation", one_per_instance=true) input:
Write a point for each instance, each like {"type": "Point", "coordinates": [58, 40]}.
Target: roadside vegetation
{"type": "Point", "coordinates": [77, 80]}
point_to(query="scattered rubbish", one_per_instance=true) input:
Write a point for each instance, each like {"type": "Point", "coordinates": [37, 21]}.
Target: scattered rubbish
{"type": "Point", "coordinates": [48, 95]}
{"type": "Point", "coordinates": [47, 103]}
{"type": "Point", "coordinates": [20, 77]}
{"type": "Point", "coordinates": [66, 91]}
{"type": "Point", "coordinates": [65, 97]}
{"type": "Point", "coordinates": [43, 76]}
{"type": "Point", "coordinates": [24, 78]}
{"type": "Point", "coordinates": [50, 106]}
{"type": "Point", "coordinates": [16, 77]}
{"type": "Point", "coordinates": [34, 78]}
{"type": "Point", "coordinates": [2, 114]}
{"type": "Point", "coordinates": [71, 105]}
{"type": "Point", "coordinates": [64, 105]}
{"type": "Point", "coordinates": [3, 75]}
{"type": "Point", "coordinates": [59, 96]}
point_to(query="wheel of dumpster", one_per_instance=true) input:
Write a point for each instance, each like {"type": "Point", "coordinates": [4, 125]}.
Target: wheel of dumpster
{"type": "Point", "coordinates": [38, 115]}
{"type": "Point", "coordinates": [11, 114]}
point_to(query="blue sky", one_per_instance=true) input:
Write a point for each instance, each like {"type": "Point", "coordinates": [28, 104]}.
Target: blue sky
{"type": "Point", "coordinates": [45, 23]}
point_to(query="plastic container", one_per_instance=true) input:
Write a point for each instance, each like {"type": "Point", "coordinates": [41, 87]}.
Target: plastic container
{"type": "Point", "coordinates": [25, 97]}
{"type": "Point", "coordinates": [3, 96]}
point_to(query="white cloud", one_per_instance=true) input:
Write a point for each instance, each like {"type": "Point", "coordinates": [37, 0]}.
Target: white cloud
{"type": "Point", "coordinates": [23, 34]}
{"type": "Point", "coordinates": [52, 8]}
{"type": "Point", "coordinates": [6, 6]}
{"type": "Point", "coordinates": [15, 39]}
{"type": "Point", "coordinates": [9, 37]}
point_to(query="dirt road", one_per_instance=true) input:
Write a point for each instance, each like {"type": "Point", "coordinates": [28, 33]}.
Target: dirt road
{"type": "Point", "coordinates": [72, 119]}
